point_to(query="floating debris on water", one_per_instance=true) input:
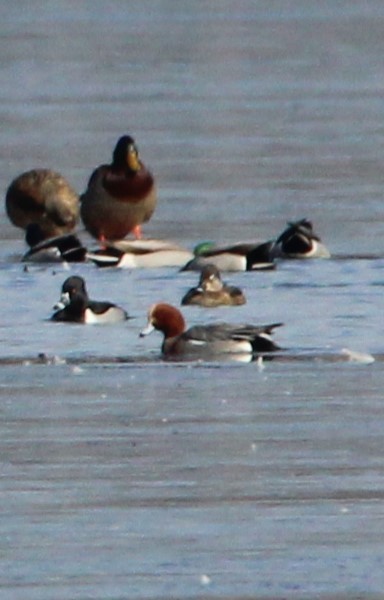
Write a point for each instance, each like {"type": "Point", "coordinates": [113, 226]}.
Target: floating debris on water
{"type": "Point", "coordinates": [360, 357]}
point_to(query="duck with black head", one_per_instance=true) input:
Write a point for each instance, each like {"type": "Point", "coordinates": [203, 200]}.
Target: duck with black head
{"type": "Point", "coordinates": [299, 240]}
{"type": "Point", "coordinates": [75, 306]}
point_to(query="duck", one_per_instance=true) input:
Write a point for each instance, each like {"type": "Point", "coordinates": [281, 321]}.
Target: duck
{"type": "Point", "coordinates": [205, 341]}
{"type": "Point", "coordinates": [120, 196]}
{"type": "Point", "coordinates": [45, 197]}
{"type": "Point", "coordinates": [299, 240]}
{"type": "Point", "coordinates": [242, 256]}
{"type": "Point", "coordinates": [63, 248]}
{"type": "Point", "coordinates": [76, 307]}
{"type": "Point", "coordinates": [212, 291]}
{"type": "Point", "coordinates": [134, 254]}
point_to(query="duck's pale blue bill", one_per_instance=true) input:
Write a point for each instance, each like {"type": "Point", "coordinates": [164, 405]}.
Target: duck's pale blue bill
{"type": "Point", "coordinates": [63, 302]}
{"type": "Point", "coordinates": [147, 330]}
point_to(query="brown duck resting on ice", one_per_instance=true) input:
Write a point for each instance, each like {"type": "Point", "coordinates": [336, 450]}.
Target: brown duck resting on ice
{"type": "Point", "coordinates": [120, 196]}
{"type": "Point", "coordinates": [43, 197]}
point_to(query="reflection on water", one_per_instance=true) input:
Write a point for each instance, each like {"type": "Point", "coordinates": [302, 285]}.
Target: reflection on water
{"type": "Point", "coordinates": [126, 476]}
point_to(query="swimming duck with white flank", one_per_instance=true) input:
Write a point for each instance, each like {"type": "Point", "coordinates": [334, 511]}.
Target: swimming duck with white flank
{"type": "Point", "coordinates": [212, 291]}
{"type": "Point", "coordinates": [44, 197]}
{"type": "Point", "coordinates": [237, 257]}
{"type": "Point", "coordinates": [207, 341]}
{"type": "Point", "coordinates": [63, 248]}
{"type": "Point", "coordinates": [120, 196]}
{"type": "Point", "coordinates": [76, 307]}
{"type": "Point", "coordinates": [148, 253]}
{"type": "Point", "coordinates": [299, 241]}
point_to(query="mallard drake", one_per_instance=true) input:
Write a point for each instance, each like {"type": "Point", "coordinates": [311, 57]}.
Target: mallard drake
{"type": "Point", "coordinates": [134, 254]}
{"type": "Point", "coordinates": [237, 257]}
{"type": "Point", "coordinates": [212, 291]}
{"type": "Point", "coordinates": [63, 248]}
{"type": "Point", "coordinates": [44, 197]}
{"type": "Point", "coordinates": [75, 306]}
{"type": "Point", "coordinates": [119, 196]}
{"type": "Point", "coordinates": [207, 341]}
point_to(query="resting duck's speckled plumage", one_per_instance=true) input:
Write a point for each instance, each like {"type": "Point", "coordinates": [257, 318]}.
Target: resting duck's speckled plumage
{"type": "Point", "coordinates": [120, 196]}
{"type": "Point", "coordinates": [212, 291]}
{"type": "Point", "coordinates": [44, 197]}
{"type": "Point", "coordinates": [205, 341]}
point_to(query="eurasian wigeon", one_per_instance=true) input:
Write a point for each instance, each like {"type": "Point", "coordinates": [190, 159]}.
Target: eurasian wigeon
{"type": "Point", "coordinates": [212, 291]}
{"type": "Point", "coordinates": [120, 196]}
{"type": "Point", "coordinates": [204, 341]}
{"type": "Point", "coordinates": [76, 307]}
{"type": "Point", "coordinates": [44, 197]}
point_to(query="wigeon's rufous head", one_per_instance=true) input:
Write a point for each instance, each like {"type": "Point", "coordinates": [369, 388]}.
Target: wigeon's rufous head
{"type": "Point", "coordinates": [165, 318]}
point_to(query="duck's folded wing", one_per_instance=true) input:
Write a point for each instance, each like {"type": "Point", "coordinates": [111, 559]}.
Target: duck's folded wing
{"type": "Point", "coordinates": [108, 257]}
{"type": "Point", "coordinates": [225, 331]}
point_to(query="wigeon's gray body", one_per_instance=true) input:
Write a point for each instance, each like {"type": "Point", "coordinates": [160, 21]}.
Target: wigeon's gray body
{"type": "Point", "coordinates": [205, 341]}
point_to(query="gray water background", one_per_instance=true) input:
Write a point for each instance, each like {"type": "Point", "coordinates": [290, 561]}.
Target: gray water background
{"type": "Point", "coordinates": [123, 476]}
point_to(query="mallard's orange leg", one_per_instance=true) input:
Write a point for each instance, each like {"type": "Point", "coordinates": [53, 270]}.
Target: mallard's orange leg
{"type": "Point", "coordinates": [137, 232]}
{"type": "Point", "coordinates": [102, 240]}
